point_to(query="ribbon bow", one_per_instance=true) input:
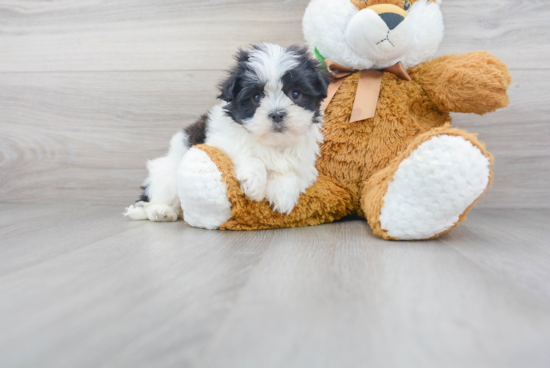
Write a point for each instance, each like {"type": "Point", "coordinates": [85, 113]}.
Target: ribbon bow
{"type": "Point", "coordinates": [368, 89]}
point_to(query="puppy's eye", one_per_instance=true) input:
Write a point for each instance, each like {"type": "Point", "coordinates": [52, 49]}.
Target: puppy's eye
{"type": "Point", "coordinates": [407, 5]}
{"type": "Point", "coordinates": [295, 95]}
{"type": "Point", "coordinates": [257, 97]}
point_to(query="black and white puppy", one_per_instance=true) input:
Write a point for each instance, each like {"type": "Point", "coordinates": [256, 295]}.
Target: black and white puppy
{"type": "Point", "coordinates": [269, 123]}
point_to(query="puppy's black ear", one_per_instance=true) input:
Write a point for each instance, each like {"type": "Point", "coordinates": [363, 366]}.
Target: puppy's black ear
{"type": "Point", "coordinates": [229, 89]}
{"type": "Point", "coordinates": [323, 80]}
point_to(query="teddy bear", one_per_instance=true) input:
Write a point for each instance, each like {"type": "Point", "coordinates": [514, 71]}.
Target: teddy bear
{"type": "Point", "coordinates": [390, 154]}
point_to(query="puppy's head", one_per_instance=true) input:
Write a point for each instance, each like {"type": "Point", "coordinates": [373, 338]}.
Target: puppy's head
{"type": "Point", "coordinates": [275, 93]}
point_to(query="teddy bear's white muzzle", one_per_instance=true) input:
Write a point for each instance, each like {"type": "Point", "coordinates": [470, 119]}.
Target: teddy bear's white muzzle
{"type": "Point", "coordinates": [380, 37]}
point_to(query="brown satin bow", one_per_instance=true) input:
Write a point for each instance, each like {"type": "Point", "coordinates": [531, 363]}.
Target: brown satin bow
{"type": "Point", "coordinates": [368, 88]}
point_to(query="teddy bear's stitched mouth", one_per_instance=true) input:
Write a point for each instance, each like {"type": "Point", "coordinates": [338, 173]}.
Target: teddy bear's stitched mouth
{"type": "Point", "coordinates": [386, 39]}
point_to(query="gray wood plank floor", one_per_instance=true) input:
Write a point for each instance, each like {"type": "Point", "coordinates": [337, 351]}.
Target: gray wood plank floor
{"type": "Point", "coordinates": [80, 286]}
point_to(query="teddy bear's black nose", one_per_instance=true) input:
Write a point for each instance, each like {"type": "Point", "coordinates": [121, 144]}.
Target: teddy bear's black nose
{"type": "Point", "coordinates": [392, 19]}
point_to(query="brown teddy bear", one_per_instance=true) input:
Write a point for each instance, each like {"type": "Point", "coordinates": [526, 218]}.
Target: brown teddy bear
{"type": "Point", "coordinates": [389, 152]}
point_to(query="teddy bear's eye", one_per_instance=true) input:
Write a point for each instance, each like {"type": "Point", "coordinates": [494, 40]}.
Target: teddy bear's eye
{"type": "Point", "coordinates": [407, 5]}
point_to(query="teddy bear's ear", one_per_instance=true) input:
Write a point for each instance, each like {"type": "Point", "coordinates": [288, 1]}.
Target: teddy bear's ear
{"type": "Point", "coordinates": [360, 4]}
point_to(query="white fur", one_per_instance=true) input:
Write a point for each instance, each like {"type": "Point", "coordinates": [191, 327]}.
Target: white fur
{"type": "Point", "coordinates": [260, 163]}
{"type": "Point", "coordinates": [270, 63]}
{"type": "Point", "coordinates": [265, 158]}
{"type": "Point", "coordinates": [277, 165]}
{"type": "Point", "coordinates": [433, 187]}
{"type": "Point", "coordinates": [203, 193]}
{"type": "Point", "coordinates": [161, 185]}
{"type": "Point", "coordinates": [349, 36]}
{"type": "Point", "coordinates": [136, 212]}
{"type": "Point", "coordinates": [367, 34]}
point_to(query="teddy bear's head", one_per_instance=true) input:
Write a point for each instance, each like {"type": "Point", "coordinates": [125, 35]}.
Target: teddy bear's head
{"type": "Point", "coordinates": [374, 34]}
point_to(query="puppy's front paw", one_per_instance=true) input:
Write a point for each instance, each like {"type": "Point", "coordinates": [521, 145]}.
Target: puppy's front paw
{"type": "Point", "coordinates": [161, 213]}
{"type": "Point", "coordinates": [253, 178]}
{"type": "Point", "coordinates": [253, 184]}
{"type": "Point", "coordinates": [283, 195]}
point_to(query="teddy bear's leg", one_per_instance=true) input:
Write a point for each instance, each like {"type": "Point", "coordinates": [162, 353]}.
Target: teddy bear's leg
{"type": "Point", "coordinates": [429, 188]}
{"type": "Point", "coordinates": [212, 198]}
{"type": "Point", "coordinates": [202, 192]}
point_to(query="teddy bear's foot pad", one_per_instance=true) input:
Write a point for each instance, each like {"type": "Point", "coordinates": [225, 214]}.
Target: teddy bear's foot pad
{"type": "Point", "coordinates": [433, 187]}
{"type": "Point", "coordinates": [202, 192]}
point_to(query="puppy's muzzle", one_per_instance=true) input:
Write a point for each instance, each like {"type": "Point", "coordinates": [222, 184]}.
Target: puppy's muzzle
{"type": "Point", "coordinates": [278, 120]}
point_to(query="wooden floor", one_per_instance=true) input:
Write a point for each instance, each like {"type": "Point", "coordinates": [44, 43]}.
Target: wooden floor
{"type": "Point", "coordinates": [84, 287]}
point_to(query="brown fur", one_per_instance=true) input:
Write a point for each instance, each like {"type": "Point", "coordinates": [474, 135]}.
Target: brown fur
{"type": "Point", "coordinates": [326, 201]}
{"type": "Point", "coordinates": [474, 83]}
{"type": "Point", "coordinates": [372, 198]}
{"type": "Point", "coordinates": [358, 160]}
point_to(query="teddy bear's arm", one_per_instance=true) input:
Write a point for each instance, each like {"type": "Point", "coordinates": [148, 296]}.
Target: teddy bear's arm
{"type": "Point", "coordinates": [323, 202]}
{"type": "Point", "coordinates": [476, 82]}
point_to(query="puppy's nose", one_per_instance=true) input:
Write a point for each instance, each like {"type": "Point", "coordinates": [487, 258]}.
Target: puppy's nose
{"type": "Point", "coordinates": [277, 116]}
{"type": "Point", "coordinates": [392, 19]}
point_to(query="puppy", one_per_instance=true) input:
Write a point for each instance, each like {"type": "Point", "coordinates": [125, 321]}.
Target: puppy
{"type": "Point", "coordinates": [269, 123]}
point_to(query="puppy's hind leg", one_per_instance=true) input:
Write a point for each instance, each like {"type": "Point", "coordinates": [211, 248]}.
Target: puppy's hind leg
{"type": "Point", "coordinates": [160, 200]}
{"type": "Point", "coordinates": [137, 211]}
